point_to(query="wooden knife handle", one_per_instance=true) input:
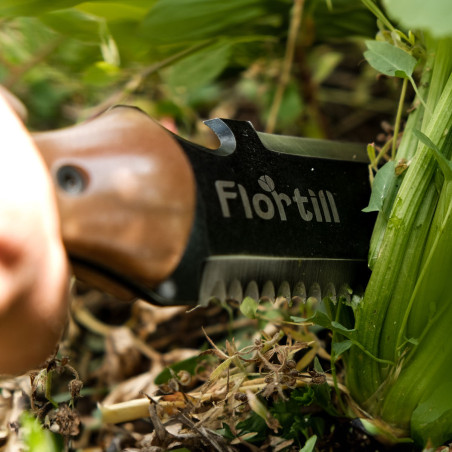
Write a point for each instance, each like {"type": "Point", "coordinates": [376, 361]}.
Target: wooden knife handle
{"type": "Point", "coordinates": [126, 196]}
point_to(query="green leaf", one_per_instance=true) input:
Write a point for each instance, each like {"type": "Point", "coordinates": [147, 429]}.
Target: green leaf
{"type": "Point", "coordinates": [321, 319]}
{"type": "Point", "coordinates": [432, 15]}
{"type": "Point", "coordinates": [304, 395]}
{"type": "Point", "coordinates": [294, 422]}
{"type": "Point", "coordinates": [33, 7]}
{"type": "Point", "coordinates": [444, 164]}
{"type": "Point", "coordinates": [253, 423]}
{"type": "Point", "coordinates": [38, 7]}
{"type": "Point", "coordinates": [200, 68]}
{"type": "Point", "coordinates": [389, 60]}
{"type": "Point", "coordinates": [248, 307]}
{"type": "Point", "coordinates": [432, 419]}
{"type": "Point", "coordinates": [189, 364]}
{"type": "Point", "coordinates": [309, 445]}
{"type": "Point", "coordinates": [323, 394]}
{"type": "Point", "coordinates": [341, 329]}
{"type": "Point", "coordinates": [112, 11]}
{"type": "Point", "coordinates": [340, 347]}
{"type": "Point", "coordinates": [35, 437]}
{"type": "Point", "coordinates": [384, 189]}
{"type": "Point", "coordinates": [317, 366]}
{"type": "Point", "coordinates": [298, 319]}
{"type": "Point", "coordinates": [75, 24]}
{"type": "Point", "coordinates": [101, 74]}
{"type": "Point", "coordinates": [182, 21]}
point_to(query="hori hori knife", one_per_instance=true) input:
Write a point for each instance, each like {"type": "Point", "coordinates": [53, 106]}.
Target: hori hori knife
{"type": "Point", "coordinates": [148, 214]}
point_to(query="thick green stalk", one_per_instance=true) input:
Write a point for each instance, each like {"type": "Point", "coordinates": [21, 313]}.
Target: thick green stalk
{"type": "Point", "coordinates": [377, 331]}
{"type": "Point", "coordinates": [405, 151]}
{"type": "Point", "coordinates": [417, 316]}
{"type": "Point", "coordinates": [428, 367]}
{"type": "Point", "coordinates": [441, 57]}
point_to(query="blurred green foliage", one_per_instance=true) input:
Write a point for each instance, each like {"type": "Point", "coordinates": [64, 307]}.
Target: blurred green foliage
{"type": "Point", "coordinates": [176, 58]}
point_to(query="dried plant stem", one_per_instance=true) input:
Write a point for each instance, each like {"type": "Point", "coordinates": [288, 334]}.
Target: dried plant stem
{"type": "Point", "coordinates": [139, 408]}
{"type": "Point", "coordinates": [284, 78]}
{"type": "Point", "coordinates": [85, 318]}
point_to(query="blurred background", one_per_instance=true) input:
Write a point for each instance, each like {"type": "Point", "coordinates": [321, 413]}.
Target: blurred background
{"type": "Point", "coordinates": [289, 67]}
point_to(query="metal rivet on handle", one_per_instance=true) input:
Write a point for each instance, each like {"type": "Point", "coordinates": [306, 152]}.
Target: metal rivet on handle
{"type": "Point", "coordinates": [71, 179]}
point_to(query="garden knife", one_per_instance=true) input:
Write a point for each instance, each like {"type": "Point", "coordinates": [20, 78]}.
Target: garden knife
{"type": "Point", "coordinates": [148, 214]}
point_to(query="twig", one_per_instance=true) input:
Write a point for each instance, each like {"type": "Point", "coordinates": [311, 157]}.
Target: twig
{"type": "Point", "coordinates": [134, 83]}
{"type": "Point", "coordinates": [284, 78]}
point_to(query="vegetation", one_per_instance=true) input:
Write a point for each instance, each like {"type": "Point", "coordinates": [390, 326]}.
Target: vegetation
{"type": "Point", "coordinates": [293, 67]}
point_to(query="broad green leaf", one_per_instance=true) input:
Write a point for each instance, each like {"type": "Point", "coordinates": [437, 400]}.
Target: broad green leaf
{"type": "Point", "coordinates": [309, 446]}
{"type": "Point", "coordinates": [38, 7]}
{"type": "Point", "coordinates": [248, 307]}
{"type": "Point", "coordinates": [177, 21]}
{"type": "Point", "coordinates": [75, 24]}
{"type": "Point", "coordinates": [33, 7]}
{"type": "Point", "coordinates": [389, 60]}
{"type": "Point", "coordinates": [432, 419]}
{"type": "Point", "coordinates": [200, 68]}
{"type": "Point", "coordinates": [112, 11]}
{"type": "Point", "coordinates": [433, 16]}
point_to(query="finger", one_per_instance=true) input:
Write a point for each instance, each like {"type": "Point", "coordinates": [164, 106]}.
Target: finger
{"type": "Point", "coordinates": [14, 103]}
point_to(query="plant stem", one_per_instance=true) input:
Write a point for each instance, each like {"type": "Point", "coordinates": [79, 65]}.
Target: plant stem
{"type": "Point", "coordinates": [394, 275]}
{"type": "Point", "coordinates": [135, 82]}
{"type": "Point", "coordinates": [433, 292]}
{"type": "Point", "coordinates": [399, 118]}
{"type": "Point", "coordinates": [284, 78]}
{"type": "Point", "coordinates": [373, 8]}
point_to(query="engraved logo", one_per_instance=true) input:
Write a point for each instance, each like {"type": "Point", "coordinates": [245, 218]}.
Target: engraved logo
{"type": "Point", "coordinates": [319, 206]}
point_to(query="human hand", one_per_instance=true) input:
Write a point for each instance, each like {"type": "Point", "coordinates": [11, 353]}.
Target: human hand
{"type": "Point", "coordinates": [33, 264]}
